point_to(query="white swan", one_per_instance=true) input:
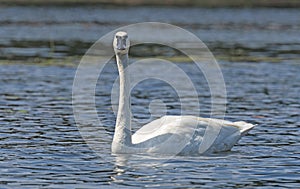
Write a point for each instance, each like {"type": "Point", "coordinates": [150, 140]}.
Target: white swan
{"type": "Point", "coordinates": [169, 134]}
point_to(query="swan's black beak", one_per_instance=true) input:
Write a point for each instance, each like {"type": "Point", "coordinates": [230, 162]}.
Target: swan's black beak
{"type": "Point", "coordinates": [121, 44]}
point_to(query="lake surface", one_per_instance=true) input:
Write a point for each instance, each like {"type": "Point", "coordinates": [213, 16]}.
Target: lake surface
{"type": "Point", "coordinates": [56, 32]}
{"type": "Point", "coordinates": [41, 146]}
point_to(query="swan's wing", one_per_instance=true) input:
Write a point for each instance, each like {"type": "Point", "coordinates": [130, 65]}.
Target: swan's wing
{"type": "Point", "coordinates": [183, 125]}
{"type": "Point", "coordinates": [179, 125]}
{"type": "Point", "coordinates": [191, 134]}
{"type": "Point", "coordinates": [244, 127]}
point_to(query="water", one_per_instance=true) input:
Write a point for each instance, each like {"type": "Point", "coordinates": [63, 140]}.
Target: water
{"type": "Point", "coordinates": [41, 147]}
{"type": "Point", "coordinates": [48, 32]}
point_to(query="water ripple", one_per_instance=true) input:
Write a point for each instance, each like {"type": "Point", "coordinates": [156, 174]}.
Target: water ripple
{"type": "Point", "coordinates": [42, 147]}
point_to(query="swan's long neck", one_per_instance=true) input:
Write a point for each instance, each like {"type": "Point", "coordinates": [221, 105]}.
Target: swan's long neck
{"type": "Point", "coordinates": [122, 134]}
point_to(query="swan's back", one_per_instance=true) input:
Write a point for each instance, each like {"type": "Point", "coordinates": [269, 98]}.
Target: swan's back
{"type": "Point", "coordinates": [191, 130]}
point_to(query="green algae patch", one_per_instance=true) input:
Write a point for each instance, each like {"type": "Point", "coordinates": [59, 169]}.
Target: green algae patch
{"type": "Point", "coordinates": [73, 61]}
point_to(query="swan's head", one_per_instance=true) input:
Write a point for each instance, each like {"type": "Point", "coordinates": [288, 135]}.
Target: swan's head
{"type": "Point", "coordinates": [121, 43]}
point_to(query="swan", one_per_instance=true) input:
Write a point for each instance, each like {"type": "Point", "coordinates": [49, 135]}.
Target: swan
{"type": "Point", "coordinates": [168, 134]}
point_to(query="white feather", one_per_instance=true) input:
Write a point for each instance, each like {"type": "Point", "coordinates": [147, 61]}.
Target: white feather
{"type": "Point", "coordinates": [170, 134]}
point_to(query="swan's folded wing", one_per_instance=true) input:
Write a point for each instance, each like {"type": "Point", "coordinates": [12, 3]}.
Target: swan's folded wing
{"type": "Point", "coordinates": [244, 127]}
{"type": "Point", "coordinates": [178, 125]}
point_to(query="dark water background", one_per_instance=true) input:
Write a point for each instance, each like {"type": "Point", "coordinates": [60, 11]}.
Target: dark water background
{"type": "Point", "coordinates": [41, 146]}
{"type": "Point", "coordinates": [57, 32]}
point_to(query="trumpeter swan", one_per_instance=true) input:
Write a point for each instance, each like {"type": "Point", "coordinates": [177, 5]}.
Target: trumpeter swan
{"type": "Point", "coordinates": [169, 134]}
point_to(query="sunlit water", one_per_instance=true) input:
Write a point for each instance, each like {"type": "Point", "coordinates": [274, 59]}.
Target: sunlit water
{"type": "Point", "coordinates": [42, 147]}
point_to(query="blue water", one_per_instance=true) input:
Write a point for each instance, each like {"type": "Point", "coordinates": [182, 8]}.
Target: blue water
{"type": "Point", "coordinates": [41, 146]}
{"type": "Point", "coordinates": [29, 31]}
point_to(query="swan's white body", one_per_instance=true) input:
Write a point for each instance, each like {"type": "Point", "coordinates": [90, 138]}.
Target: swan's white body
{"type": "Point", "coordinates": [169, 134]}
